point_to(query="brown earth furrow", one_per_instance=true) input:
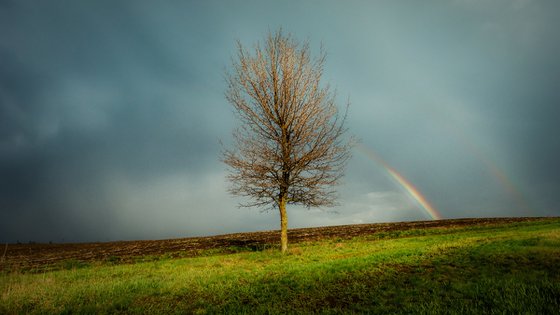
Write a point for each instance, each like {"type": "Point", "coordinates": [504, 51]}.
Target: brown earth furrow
{"type": "Point", "coordinates": [48, 256]}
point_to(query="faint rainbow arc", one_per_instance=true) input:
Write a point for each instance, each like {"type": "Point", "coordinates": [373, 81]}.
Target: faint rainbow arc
{"type": "Point", "coordinates": [499, 175]}
{"type": "Point", "coordinates": [408, 187]}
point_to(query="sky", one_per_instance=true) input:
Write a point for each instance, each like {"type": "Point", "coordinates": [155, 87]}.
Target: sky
{"type": "Point", "coordinates": [112, 112]}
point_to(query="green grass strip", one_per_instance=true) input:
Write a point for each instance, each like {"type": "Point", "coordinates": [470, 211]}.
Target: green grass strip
{"type": "Point", "coordinates": [512, 269]}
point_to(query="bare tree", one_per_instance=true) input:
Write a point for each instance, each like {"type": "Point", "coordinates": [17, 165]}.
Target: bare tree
{"type": "Point", "coordinates": [291, 146]}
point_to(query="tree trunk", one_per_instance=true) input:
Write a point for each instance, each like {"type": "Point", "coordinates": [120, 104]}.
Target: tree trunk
{"type": "Point", "coordinates": [283, 224]}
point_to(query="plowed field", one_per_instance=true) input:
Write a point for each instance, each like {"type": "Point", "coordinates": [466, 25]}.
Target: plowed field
{"type": "Point", "coordinates": [41, 257]}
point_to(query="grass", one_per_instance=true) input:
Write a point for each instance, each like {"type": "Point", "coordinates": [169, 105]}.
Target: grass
{"type": "Point", "coordinates": [494, 269]}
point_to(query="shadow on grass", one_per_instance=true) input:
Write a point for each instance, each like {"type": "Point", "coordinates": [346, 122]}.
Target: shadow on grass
{"type": "Point", "coordinates": [519, 279]}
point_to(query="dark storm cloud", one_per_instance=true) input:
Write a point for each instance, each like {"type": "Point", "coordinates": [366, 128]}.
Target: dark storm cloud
{"type": "Point", "coordinates": [88, 91]}
{"type": "Point", "coordinates": [111, 111]}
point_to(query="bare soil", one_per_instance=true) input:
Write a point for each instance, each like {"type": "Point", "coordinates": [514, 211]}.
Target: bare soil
{"type": "Point", "coordinates": [42, 257]}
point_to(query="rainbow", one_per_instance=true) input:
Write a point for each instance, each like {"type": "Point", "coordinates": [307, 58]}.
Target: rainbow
{"type": "Point", "coordinates": [404, 183]}
{"type": "Point", "coordinates": [495, 171]}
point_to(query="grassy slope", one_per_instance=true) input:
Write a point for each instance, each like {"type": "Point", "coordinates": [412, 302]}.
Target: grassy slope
{"type": "Point", "coordinates": [513, 268]}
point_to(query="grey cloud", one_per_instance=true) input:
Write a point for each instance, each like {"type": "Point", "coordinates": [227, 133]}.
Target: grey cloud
{"type": "Point", "coordinates": [111, 111]}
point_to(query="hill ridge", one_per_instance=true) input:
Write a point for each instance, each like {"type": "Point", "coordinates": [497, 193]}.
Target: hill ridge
{"type": "Point", "coordinates": [41, 256]}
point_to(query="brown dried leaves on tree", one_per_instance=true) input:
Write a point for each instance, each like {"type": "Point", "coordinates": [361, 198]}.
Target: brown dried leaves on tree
{"type": "Point", "coordinates": [291, 146]}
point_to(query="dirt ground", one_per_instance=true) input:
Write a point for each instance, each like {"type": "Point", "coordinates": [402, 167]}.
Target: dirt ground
{"type": "Point", "coordinates": [40, 257]}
